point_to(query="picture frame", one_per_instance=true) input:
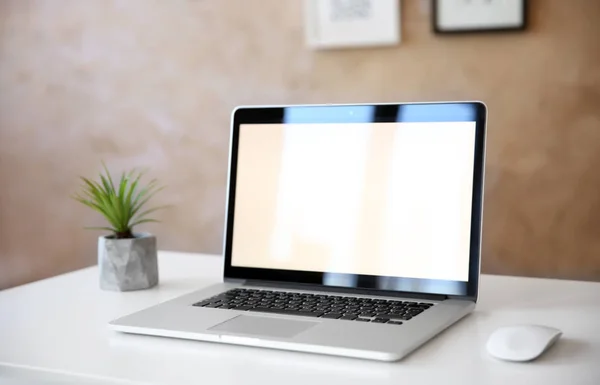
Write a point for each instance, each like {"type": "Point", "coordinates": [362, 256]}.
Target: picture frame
{"type": "Point", "coordinates": [473, 16]}
{"type": "Point", "coordinates": [342, 24]}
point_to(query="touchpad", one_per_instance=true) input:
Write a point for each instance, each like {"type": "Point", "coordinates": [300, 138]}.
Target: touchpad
{"type": "Point", "coordinates": [263, 326]}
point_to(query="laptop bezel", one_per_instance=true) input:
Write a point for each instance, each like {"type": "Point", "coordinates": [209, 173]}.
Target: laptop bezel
{"type": "Point", "coordinates": [384, 112]}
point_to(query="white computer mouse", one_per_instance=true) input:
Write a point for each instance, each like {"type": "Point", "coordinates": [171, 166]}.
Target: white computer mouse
{"type": "Point", "coordinates": [521, 342]}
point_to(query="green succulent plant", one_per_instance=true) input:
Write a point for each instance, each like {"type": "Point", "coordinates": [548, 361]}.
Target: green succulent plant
{"type": "Point", "coordinates": [121, 204]}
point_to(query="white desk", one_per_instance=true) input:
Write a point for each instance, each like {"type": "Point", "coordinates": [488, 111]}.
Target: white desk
{"type": "Point", "coordinates": [58, 327]}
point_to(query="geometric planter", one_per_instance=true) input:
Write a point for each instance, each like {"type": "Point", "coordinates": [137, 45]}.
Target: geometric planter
{"type": "Point", "coordinates": [128, 264]}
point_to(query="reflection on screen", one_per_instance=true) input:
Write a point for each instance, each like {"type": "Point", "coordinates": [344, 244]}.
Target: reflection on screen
{"type": "Point", "coordinates": [384, 199]}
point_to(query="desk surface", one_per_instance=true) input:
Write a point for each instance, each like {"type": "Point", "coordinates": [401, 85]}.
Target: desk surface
{"type": "Point", "coordinates": [58, 326]}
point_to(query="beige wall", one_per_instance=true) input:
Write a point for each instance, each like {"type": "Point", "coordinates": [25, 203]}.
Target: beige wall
{"type": "Point", "coordinates": [152, 82]}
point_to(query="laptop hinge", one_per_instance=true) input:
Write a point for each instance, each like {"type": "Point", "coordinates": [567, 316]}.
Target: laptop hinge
{"type": "Point", "coordinates": [348, 290]}
{"type": "Point", "coordinates": [462, 297]}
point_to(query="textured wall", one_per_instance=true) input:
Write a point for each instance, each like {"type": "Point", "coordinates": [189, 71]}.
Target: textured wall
{"type": "Point", "coordinates": [152, 83]}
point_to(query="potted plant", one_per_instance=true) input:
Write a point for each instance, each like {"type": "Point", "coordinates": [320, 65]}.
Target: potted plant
{"type": "Point", "coordinates": [127, 260]}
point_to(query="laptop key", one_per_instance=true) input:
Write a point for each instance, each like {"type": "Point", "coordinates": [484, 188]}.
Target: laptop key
{"type": "Point", "coordinates": [203, 303]}
{"type": "Point", "coordinates": [362, 320]}
{"type": "Point", "coordinates": [379, 320]}
{"type": "Point", "coordinates": [392, 316]}
{"type": "Point", "coordinates": [392, 322]}
{"type": "Point", "coordinates": [286, 312]}
{"type": "Point", "coordinates": [349, 316]}
{"type": "Point", "coordinates": [332, 315]}
{"type": "Point", "coordinates": [242, 308]}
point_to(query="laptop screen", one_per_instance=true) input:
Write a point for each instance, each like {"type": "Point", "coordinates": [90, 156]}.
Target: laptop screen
{"type": "Point", "coordinates": [382, 199]}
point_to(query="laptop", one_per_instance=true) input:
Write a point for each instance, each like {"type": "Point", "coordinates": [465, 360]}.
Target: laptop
{"type": "Point", "coordinates": [351, 230]}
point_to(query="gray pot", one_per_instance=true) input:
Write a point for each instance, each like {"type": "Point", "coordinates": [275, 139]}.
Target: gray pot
{"type": "Point", "coordinates": [128, 264]}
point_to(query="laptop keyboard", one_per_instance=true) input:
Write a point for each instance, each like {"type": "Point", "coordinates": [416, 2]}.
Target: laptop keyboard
{"type": "Point", "coordinates": [317, 305]}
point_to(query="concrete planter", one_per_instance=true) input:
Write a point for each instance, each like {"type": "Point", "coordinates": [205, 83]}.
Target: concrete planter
{"type": "Point", "coordinates": [128, 264]}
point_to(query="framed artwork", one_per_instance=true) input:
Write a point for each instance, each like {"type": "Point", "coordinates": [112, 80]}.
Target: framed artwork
{"type": "Point", "coordinates": [351, 23]}
{"type": "Point", "coordinates": [464, 16]}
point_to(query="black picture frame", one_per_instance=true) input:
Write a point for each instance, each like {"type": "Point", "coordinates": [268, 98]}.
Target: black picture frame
{"type": "Point", "coordinates": [435, 11]}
